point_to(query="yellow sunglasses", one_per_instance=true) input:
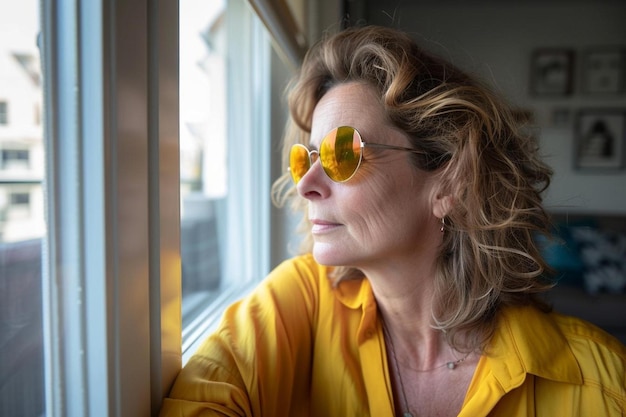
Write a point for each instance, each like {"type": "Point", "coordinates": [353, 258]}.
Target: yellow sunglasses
{"type": "Point", "coordinates": [340, 153]}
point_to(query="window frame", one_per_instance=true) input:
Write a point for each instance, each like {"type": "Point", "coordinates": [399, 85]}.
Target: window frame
{"type": "Point", "coordinates": [112, 265]}
{"type": "Point", "coordinates": [111, 286]}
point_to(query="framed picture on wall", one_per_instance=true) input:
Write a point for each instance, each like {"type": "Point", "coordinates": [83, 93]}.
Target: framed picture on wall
{"type": "Point", "coordinates": [551, 72]}
{"type": "Point", "coordinates": [603, 70]}
{"type": "Point", "coordinates": [600, 137]}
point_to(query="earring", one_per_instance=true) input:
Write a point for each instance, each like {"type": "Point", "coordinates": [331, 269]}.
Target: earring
{"type": "Point", "coordinates": [443, 225]}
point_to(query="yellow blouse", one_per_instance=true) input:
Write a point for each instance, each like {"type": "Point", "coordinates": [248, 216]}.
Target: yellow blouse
{"type": "Point", "coordinates": [298, 347]}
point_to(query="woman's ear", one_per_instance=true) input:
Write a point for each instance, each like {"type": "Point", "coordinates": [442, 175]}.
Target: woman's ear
{"type": "Point", "coordinates": [442, 204]}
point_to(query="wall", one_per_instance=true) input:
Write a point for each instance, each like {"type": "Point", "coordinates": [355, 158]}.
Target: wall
{"type": "Point", "coordinates": [496, 40]}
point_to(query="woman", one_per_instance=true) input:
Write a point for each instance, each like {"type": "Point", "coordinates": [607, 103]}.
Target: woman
{"type": "Point", "coordinates": [416, 294]}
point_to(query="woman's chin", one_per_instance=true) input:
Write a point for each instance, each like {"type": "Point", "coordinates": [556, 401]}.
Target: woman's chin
{"type": "Point", "coordinates": [330, 255]}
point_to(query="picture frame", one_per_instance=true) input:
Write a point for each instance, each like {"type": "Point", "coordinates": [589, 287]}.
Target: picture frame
{"type": "Point", "coordinates": [552, 72]}
{"type": "Point", "coordinates": [600, 139]}
{"type": "Point", "coordinates": [604, 70]}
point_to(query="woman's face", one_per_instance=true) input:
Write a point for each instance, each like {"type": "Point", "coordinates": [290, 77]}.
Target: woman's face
{"type": "Point", "coordinates": [385, 212]}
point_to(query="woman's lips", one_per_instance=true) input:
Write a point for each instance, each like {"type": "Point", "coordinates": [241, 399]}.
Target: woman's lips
{"type": "Point", "coordinates": [323, 226]}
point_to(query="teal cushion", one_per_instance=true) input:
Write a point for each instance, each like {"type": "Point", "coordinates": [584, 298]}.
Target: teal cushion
{"type": "Point", "coordinates": [561, 252]}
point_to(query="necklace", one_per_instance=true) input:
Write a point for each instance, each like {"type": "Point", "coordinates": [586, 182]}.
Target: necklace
{"type": "Point", "coordinates": [450, 365]}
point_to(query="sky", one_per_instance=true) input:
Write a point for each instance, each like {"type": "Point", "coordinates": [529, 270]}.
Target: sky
{"type": "Point", "coordinates": [19, 24]}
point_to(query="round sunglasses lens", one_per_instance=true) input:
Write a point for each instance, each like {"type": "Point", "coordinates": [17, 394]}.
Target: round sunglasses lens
{"type": "Point", "coordinates": [340, 153]}
{"type": "Point", "coordinates": [299, 162]}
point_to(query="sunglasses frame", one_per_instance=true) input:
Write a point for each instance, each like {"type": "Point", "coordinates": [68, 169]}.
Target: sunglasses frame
{"type": "Point", "coordinates": [362, 145]}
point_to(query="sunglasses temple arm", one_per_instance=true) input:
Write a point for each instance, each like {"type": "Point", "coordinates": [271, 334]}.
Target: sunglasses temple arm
{"type": "Point", "coordinates": [392, 147]}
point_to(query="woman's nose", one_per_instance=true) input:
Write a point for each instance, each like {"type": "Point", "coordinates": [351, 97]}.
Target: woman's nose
{"type": "Point", "coordinates": [314, 183]}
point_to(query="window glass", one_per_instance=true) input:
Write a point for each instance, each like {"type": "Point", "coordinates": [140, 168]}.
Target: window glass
{"type": "Point", "coordinates": [15, 159]}
{"type": "Point", "coordinates": [222, 157]}
{"type": "Point", "coordinates": [4, 113]}
{"type": "Point", "coordinates": [21, 213]}
{"type": "Point", "coordinates": [202, 149]}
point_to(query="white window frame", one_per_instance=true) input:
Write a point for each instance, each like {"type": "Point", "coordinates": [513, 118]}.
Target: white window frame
{"type": "Point", "coordinates": [112, 274]}
{"type": "Point", "coordinates": [112, 282]}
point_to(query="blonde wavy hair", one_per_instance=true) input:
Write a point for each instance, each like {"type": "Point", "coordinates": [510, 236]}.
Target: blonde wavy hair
{"type": "Point", "coordinates": [486, 160]}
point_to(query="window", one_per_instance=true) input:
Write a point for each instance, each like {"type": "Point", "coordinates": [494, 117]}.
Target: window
{"type": "Point", "coordinates": [20, 199]}
{"type": "Point", "coordinates": [224, 150]}
{"type": "Point", "coordinates": [18, 158]}
{"type": "Point", "coordinates": [150, 188]}
{"type": "Point", "coordinates": [4, 112]}
{"type": "Point", "coordinates": [123, 188]}
{"type": "Point", "coordinates": [21, 219]}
